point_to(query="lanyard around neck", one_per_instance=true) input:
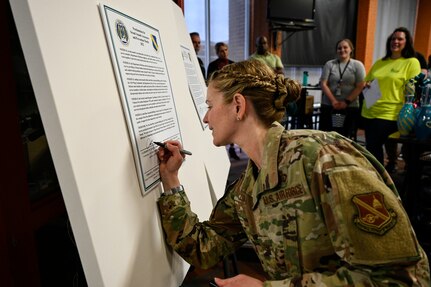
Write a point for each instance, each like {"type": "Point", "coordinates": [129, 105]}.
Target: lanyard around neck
{"type": "Point", "coordinates": [339, 69]}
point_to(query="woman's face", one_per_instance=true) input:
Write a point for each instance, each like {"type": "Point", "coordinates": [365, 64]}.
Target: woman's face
{"type": "Point", "coordinates": [220, 117]}
{"type": "Point", "coordinates": [343, 50]}
{"type": "Point", "coordinates": [398, 42]}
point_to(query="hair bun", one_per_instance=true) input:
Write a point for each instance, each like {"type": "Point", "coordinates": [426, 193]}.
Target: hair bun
{"type": "Point", "coordinates": [287, 90]}
{"type": "Point", "coordinates": [293, 90]}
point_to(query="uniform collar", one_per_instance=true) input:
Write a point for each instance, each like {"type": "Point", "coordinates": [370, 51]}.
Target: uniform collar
{"type": "Point", "coordinates": [268, 175]}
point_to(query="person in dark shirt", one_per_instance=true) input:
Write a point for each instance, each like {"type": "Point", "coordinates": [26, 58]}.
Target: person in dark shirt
{"type": "Point", "coordinates": [196, 40]}
{"type": "Point", "coordinates": [422, 62]}
{"type": "Point", "coordinates": [222, 51]}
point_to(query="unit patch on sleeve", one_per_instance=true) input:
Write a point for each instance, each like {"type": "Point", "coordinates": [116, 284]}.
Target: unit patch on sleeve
{"type": "Point", "coordinates": [284, 194]}
{"type": "Point", "coordinates": [373, 216]}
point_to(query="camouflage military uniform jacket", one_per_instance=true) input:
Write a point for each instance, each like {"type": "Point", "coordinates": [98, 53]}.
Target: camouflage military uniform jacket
{"type": "Point", "coordinates": [320, 212]}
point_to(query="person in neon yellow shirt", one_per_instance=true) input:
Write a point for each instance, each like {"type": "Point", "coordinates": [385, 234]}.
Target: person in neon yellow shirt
{"type": "Point", "coordinates": [392, 72]}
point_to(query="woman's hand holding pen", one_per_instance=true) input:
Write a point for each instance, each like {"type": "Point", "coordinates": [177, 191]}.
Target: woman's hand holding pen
{"type": "Point", "coordinates": [170, 161]}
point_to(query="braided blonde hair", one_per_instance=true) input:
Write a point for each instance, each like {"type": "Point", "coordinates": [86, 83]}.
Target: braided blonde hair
{"type": "Point", "coordinates": [268, 92]}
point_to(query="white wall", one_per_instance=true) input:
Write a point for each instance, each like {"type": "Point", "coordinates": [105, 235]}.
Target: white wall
{"type": "Point", "coordinates": [392, 14]}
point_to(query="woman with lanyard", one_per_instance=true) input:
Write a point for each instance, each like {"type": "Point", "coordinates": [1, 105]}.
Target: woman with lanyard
{"type": "Point", "coordinates": [342, 81]}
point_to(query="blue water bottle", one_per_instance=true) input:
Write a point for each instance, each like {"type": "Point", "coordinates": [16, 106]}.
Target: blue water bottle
{"type": "Point", "coordinates": [305, 78]}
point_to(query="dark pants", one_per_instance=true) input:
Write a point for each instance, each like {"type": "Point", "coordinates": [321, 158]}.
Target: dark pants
{"type": "Point", "coordinates": [377, 132]}
{"type": "Point", "coordinates": [391, 152]}
{"type": "Point", "coordinates": [350, 126]}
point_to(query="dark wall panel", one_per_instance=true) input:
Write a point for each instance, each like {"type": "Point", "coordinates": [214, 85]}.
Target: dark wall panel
{"type": "Point", "coordinates": [335, 20]}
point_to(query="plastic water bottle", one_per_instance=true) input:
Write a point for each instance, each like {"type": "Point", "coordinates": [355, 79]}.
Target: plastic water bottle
{"type": "Point", "coordinates": [305, 78]}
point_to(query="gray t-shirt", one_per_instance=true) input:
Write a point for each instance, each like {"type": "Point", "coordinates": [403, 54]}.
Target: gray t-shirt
{"type": "Point", "coordinates": [354, 73]}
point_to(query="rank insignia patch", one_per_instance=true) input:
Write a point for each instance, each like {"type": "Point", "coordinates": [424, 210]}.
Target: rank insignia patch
{"type": "Point", "coordinates": [373, 216]}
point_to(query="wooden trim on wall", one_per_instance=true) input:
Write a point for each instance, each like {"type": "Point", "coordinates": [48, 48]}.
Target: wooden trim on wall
{"type": "Point", "coordinates": [259, 26]}
{"type": "Point", "coordinates": [422, 37]}
{"type": "Point", "coordinates": [366, 23]}
{"type": "Point", "coordinates": [180, 3]}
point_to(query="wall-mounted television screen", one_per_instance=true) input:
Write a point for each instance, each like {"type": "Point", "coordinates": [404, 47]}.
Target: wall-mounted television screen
{"type": "Point", "coordinates": [291, 12]}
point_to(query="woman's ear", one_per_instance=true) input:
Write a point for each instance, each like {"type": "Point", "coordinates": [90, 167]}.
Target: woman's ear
{"type": "Point", "coordinates": [240, 105]}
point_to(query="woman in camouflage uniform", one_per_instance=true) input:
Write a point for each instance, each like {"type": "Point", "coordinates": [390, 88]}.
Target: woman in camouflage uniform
{"type": "Point", "coordinates": [319, 209]}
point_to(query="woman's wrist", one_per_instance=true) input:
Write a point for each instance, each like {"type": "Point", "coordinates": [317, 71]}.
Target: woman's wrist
{"type": "Point", "coordinates": [174, 190]}
{"type": "Point", "coordinates": [170, 183]}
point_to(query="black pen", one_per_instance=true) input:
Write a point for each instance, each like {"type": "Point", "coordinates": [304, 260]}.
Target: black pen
{"type": "Point", "coordinates": [163, 145]}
